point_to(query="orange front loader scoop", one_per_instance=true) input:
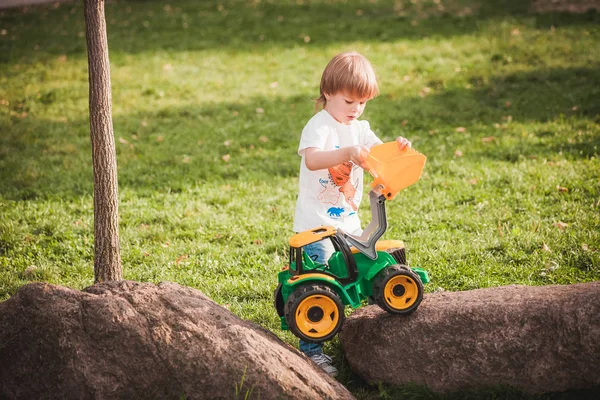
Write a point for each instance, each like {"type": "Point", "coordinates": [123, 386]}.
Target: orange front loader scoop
{"type": "Point", "coordinates": [393, 169]}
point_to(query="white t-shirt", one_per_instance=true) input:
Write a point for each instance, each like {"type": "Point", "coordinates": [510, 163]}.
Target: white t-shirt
{"type": "Point", "coordinates": [331, 196]}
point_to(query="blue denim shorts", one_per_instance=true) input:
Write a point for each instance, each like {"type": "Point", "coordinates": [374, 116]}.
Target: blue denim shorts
{"type": "Point", "coordinates": [320, 251]}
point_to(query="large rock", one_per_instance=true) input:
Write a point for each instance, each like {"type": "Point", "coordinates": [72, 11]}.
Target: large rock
{"type": "Point", "coordinates": [536, 339]}
{"type": "Point", "coordinates": [127, 340]}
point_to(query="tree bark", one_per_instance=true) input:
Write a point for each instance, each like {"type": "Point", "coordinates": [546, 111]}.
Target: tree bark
{"type": "Point", "coordinates": [107, 258]}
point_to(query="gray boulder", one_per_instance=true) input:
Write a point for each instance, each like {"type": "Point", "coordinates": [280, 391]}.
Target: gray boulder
{"type": "Point", "coordinates": [536, 339]}
{"type": "Point", "coordinates": [127, 340]}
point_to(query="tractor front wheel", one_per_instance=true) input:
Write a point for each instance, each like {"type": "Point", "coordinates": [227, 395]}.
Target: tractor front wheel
{"type": "Point", "coordinates": [398, 289]}
{"type": "Point", "coordinates": [314, 313]}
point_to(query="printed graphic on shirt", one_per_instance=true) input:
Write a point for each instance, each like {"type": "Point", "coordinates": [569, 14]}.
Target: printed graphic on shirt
{"type": "Point", "coordinates": [349, 192]}
{"type": "Point", "coordinates": [329, 195]}
{"type": "Point", "coordinates": [340, 175]}
{"type": "Point", "coordinates": [335, 212]}
{"type": "Point", "coordinates": [339, 184]}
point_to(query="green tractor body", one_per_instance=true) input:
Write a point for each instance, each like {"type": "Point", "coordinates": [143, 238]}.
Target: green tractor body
{"type": "Point", "coordinates": [310, 297]}
{"type": "Point", "coordinates": [352, 282]}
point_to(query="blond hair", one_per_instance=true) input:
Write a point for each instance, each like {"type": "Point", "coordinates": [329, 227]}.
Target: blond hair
{"type": "Point", "coordinates": [348, 72]}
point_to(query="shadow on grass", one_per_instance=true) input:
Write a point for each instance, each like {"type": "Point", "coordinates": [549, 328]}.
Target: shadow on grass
{"type": "Point", "coordinates": [136, 26]}
{"type": "Point", "coordinates": [491, 109]}
{"type": "Point", "coordinates": [166, 150]}
{"type": "Point", "coordinates": [171, 149]}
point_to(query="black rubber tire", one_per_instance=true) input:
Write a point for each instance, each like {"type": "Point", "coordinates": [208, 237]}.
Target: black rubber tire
{"type": "Point", "coordinates": [406, 282]}
{"type": "Point", "coordinates": [322, 298]}
{"type": "Point", "coordinates": [278, 300]}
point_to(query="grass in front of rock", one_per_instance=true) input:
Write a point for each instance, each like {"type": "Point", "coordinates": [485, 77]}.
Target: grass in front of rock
{"type": "Point", "coordinates": [209, 99]}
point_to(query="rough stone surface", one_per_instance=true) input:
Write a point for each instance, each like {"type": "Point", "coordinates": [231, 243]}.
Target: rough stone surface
{"type": "Point", "coordinates": [127, 340]}
{"type": "Point", "coordinates": [536, 339]}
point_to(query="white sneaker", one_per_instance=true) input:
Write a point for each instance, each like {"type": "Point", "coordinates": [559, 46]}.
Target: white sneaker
{"type": "Point", "coordinates": [324, 361]}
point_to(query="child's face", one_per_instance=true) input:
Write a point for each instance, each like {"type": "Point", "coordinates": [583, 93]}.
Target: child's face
{"type": "Point", "coordinates": [344, 107]}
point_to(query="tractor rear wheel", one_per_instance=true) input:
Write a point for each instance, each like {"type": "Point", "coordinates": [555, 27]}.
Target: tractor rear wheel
{"type": "Point", "coordinates": [314, 313]}
{"type": "Point", "coordinates": [398, 289]}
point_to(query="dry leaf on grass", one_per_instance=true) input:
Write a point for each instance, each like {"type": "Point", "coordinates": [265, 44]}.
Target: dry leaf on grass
{"type": "Point", "coordinates": [546, 248]}
{"type": "Point", "coordinates": [561, 225]}
{"type": "Point", "coordinates": [425, 91]}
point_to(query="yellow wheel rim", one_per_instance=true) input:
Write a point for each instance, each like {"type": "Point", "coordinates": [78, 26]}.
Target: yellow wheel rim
{"type": "Point", "coordinates": [317, 316]}
{"type": "Point", "coordinates": [401, 292]}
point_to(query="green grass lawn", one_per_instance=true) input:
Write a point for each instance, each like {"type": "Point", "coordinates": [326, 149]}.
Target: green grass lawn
{"type": "Point", "coordinates": [209, 99]}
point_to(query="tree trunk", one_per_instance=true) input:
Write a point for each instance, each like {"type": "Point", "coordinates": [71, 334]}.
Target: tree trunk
{"type": "Point", "coordinates": [107, 259]}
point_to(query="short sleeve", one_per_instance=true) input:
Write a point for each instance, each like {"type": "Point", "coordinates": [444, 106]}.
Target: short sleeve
{"type": "Point", "coordinates": [313, 135]}
{"type": "Point", "coordinates": [367, 136]}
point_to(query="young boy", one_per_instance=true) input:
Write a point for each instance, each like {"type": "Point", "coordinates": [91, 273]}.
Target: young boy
{"type": "Point", "coordinates": [331, 174]}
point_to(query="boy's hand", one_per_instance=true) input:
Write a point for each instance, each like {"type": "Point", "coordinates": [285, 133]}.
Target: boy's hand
{"type": "Point", "coordinates": [355, 154]}
{"type": "Point", "coordinates": [403, 143]}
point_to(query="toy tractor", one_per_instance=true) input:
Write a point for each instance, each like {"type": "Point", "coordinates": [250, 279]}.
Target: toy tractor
{"type": "Point", "coordinates": [310, 297]}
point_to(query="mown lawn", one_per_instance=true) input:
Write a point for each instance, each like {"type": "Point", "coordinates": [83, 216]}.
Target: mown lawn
{"type": "Point", "coordinates": [209, 99]}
